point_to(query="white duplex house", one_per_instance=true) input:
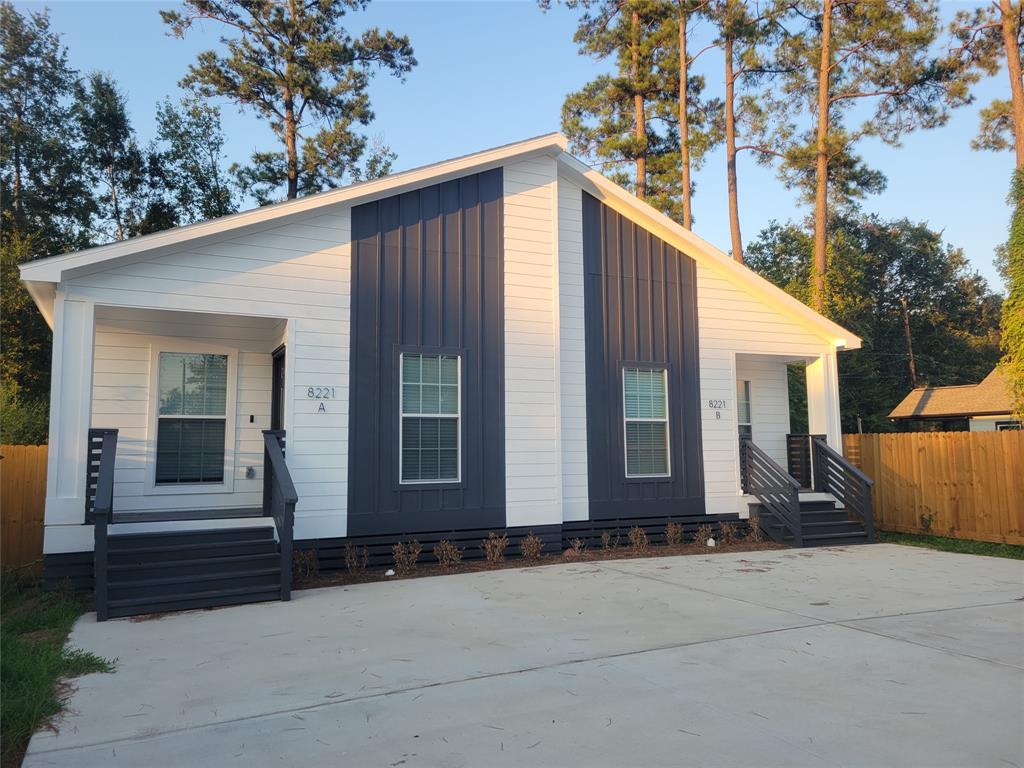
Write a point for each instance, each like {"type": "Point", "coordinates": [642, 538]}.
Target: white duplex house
{"type": "Point", "coordinates": [503, 341]}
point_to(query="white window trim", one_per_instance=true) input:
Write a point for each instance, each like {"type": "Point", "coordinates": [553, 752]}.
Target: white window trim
{"type": "Point", "coordinates": [402, 415]}
{"type": "Point", "coordinates": [189, 347]}
{"type": "Point", "coordinates": [626, 420]}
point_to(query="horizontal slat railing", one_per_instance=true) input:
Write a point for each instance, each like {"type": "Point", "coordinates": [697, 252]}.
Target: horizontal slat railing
{"type": "Point", "coordinates": [279, 500]}
{"type": "Point", "coordinates": [771, 485]}
{"type": "Point", "coordinates": [102, 503]}
{"type": "Point", "coordinates": [834, 474]}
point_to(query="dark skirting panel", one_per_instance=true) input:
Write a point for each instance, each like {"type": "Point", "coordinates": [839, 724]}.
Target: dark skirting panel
{"type": "Point", "coordinates": [427, 275]}
{"type": "Point", "coordinates": [640, 298]}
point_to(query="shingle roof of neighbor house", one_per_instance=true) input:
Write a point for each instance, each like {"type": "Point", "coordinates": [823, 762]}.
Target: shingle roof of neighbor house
{"type": "Point", "coordinates": [991, 396]}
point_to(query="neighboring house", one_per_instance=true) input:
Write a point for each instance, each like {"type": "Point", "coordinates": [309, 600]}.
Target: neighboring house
{"type": "Point", "coordinates": [983, 407]}
{"type": "Point", "coordinates": [503, 341]}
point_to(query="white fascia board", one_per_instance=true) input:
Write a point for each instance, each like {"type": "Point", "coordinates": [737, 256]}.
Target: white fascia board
{"type": "Point", "coordinates": [56, 268]}
{"type": "Point", "coordinates": [44, 295]}
{"type": "Point", "coordinates": [704, 253]}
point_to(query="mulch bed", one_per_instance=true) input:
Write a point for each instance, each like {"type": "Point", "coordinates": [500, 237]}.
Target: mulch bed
{"type": "Point", "coordinates": [345, 578]}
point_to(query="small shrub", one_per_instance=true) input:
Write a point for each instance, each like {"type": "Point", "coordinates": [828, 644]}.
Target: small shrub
{"type": "Point", "coordinates": [531, 546]}
{"type": "Point", "coordinates": [305, 566]}
{"type": "Point", "coordinates": [406, 556]}
{"type": "Point", "coordinates": [606, 540]}
{"type": "Point", "coordinates": [926, 523]}
{"type": "Point", "coordinates": [356, 559]}
{"type": "Point", "coordinates": [576, 546]}
{"type": "Point", "coordinates": [447, 554]}
{"type": "Point", "coordinates": [494, 547]}
{"type": "Point", "coordinates": [638, 540]}
{"type": "Point", "coordinates": [728, 533]}
{"type": "Point", "coordinates": [704, 532]}
{"type": "Point", "coordinates": [673, 534]}
{"type": "Point", "coordinates": [754, 533]}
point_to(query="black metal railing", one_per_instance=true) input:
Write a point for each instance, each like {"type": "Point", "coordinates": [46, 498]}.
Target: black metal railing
{"type": "Point", "coordinates": [100, 508]}
{"type": "Point", "coordinates": [798, 458]}
{"type": "Point", "coordinates": [834, 474]}
{"type": "Point", "coordinates": [279, 500]}
{"type": "Point", "coordinates": [94, 450]}
{"type": "Point", "coordinates": [774, 488]}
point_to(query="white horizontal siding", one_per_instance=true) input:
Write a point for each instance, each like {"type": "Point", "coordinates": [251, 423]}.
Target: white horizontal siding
{"type": "Point", "coordinates": [572, 353]}
{"type": "Point", "coordinates": [732, 321]}
{"type": "Point", "coordinates": [252, 290]}
{"type": "Point", "coordinates": [533, 485]}
{"type": "Point", "coordinates": [769, 402]}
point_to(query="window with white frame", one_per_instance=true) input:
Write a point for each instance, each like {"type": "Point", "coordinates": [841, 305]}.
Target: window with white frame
{"type": "Point", "coordinates": [645, 406]}
{"type": "Point", "coordinates": [192, 418]}
{"type": "Point", "coordinates": [743, 417]}
{"type": "Point", "coordinates": [429, 425]}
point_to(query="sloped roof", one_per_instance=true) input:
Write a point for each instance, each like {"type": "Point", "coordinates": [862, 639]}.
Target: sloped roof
{"type": "Point", "coordinates": [990, 397]}
{"type": "Point", "coordinates": [41, 277]}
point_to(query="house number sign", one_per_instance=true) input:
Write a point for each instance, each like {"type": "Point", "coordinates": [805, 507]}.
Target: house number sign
{"type": "Point", "coordinates": [320, 394]}
{"type": "Point", "coordinates": [717, 405]}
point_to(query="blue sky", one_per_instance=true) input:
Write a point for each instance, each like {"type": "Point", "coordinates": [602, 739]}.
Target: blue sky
{"type": "Point", "coordinates": [495, 72]}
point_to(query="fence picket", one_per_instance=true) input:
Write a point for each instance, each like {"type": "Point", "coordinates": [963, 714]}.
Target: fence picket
{"type": "Point", "coordinates": [22, 500]}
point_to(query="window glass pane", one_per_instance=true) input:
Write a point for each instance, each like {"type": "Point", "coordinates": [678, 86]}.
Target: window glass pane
{"type": "Point", "coordinates": [743, 402]}
{"type": "Point", "coordinates": [411, 368]}
{"type": "Point", "coordinates": [410, 398]}
{"type": "Point", "coordinates": [644, 393]}
{"type": "Point", "coordinates": [449, 373]}
{"type": "Point", "coordinates": [193, 385]}
{"type": "Point", "coordinates": [172, 384]}
{"type": "Point", "coordinates": [429, 449]}
{"type": "Point", "coordinates": [431, 394]}
{"type": "Point", "coordinates": [430, 369]}
{"type": "Point", "coordinates": [216, 388]}
{"type": "Point", "coordinates": [646, 448]}
{"type": "Point", "coordinates": [430, 386]}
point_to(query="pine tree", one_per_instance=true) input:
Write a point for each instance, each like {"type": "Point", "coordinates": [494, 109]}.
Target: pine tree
{"type": "Point", "coordinates": [984, 39]}
{"type": "Point", "coordinates": [872, 53]}
{"type": "Point", "coordinates": [1012, 323]}
{"type": "Point", "coordinates": [296, 66]}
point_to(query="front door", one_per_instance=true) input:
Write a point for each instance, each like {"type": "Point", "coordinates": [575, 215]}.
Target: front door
{"type": "Point", "coordinates": [277, 393]}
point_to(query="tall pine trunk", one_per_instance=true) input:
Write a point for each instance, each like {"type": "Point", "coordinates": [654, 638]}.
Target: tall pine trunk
{"type": "Point", "coordinates": [292, 154]}
{"type": "Point", "coordinates": [684, 122]}
{"type": "Point", "coordinates": [730, 152]}
{"type": "Point", "coordinates": [821, 162]}
{"type": "Point", "coordinates": [639, 118]}
{"type": "Point", "coordinates": [115, 203]}
{"type": "Point", "coordinates": [1009, 29]}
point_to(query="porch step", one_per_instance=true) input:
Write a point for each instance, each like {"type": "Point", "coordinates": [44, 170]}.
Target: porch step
{"type": "Point", "coordinates": [177, 570]}
{"type": "Point", "coordinates": [209, 599]}
{"type": "Point", "coordinates": [822, 524]}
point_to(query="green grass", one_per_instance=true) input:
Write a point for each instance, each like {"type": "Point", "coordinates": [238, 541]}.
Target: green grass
{"type": "Point", "coordinates": [34, 626]}
{"type": "Point", "coordinates": [946, 544]}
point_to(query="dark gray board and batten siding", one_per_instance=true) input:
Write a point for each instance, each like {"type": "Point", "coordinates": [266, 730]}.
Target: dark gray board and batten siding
{"type": "Point", "coordinates": [427, 275]}
{"type": "Point", "coordinates": [640, 308]}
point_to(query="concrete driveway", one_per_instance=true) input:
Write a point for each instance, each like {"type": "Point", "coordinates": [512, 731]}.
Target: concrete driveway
{"type": "Point", "coordinates": [864, 656]}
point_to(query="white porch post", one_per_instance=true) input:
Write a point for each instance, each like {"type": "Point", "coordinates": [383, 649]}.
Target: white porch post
{"type": "Point", "coordinates": [70, 412]}
{"type": "Point", "coordinates": [823, 400]}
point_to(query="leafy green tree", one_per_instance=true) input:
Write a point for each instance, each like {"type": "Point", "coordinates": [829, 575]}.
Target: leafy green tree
{"type": "Point", "coordinates": [296, 66]}
{"type": "Point", "coordinates": [984, 39]}
{"type": "Point", "coordinates": [118, 167]}
{"type": "Point", "coordinates": [876, 265]}
{"type": "Point", "coordinates": [872, 54]}
{"type": "Point", "coordinates": [1013, 307]}
{"type": "Point", "coordinates": [191, 160]}
{"type": "Point", "coordinates": [43, 190]}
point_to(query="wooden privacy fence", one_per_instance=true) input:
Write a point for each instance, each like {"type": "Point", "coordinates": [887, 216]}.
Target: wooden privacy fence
{"type": "Point", "coordinates": [22, 497]}
{"type": "Point", "coordinates": [969, 485]}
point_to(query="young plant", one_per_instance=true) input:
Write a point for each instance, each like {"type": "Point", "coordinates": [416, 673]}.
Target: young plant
{"type": "Point", "coordinates": [728, 534]}
{"type": "Point", "coordinates": [673, 534]}
{"type": "Point", "coordinates": [754, 532]}
{"type": "Point", "coordinates": [606, 540]}
{"type": "Point", "coordinates": [704, 532]}
{"type": "Point", "coordinates": [494, 547]}
{"type": "Point", "coordinates": [448, 555]}
{"type": "Point", "coordinates": [406, 556]}
{"type": "Point", "coordinates": [531, 547]}
{"type": "Point", "coordinates": [638, 540]}
{"type": "Point", "coordinates": [576, 547]}
{"type": "Point", "coordinates": [356, 559]}
{"type": "Point", "coordinates": [305, 566]}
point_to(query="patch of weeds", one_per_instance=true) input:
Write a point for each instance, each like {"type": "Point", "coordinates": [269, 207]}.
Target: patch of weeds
{"type": "Point", "coordinates": [673, 534]}
{"type": "Point", "coordinates": [926, 523]}
{"type": "Point", "coordinates": [305, 566]}
{"type": "Point", "coordinates": [576, 547]}
{"type": "Point", "coordinates": [728, 534]}
{"type": "Point", "coordinates": [754, 532]}
{"type": "Point", "coordinates": [356, 558]}
{"type": "Point", "coordinates": [703, 533]}
{"type": "Point", "coordinates": [34, 626]}
{"type": "Point", "coordinates": [406, 555]}
{"type": "Point", "coordinates": [494, 547]}
{"type": "Point", "coordinates": [448, 555]}
{"type": "Point", "coordinates": [638, 540]}
{"type": "Point", "coordinates": [962, 546]}
{"type": "Point", "coordinates": [531, 546]}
